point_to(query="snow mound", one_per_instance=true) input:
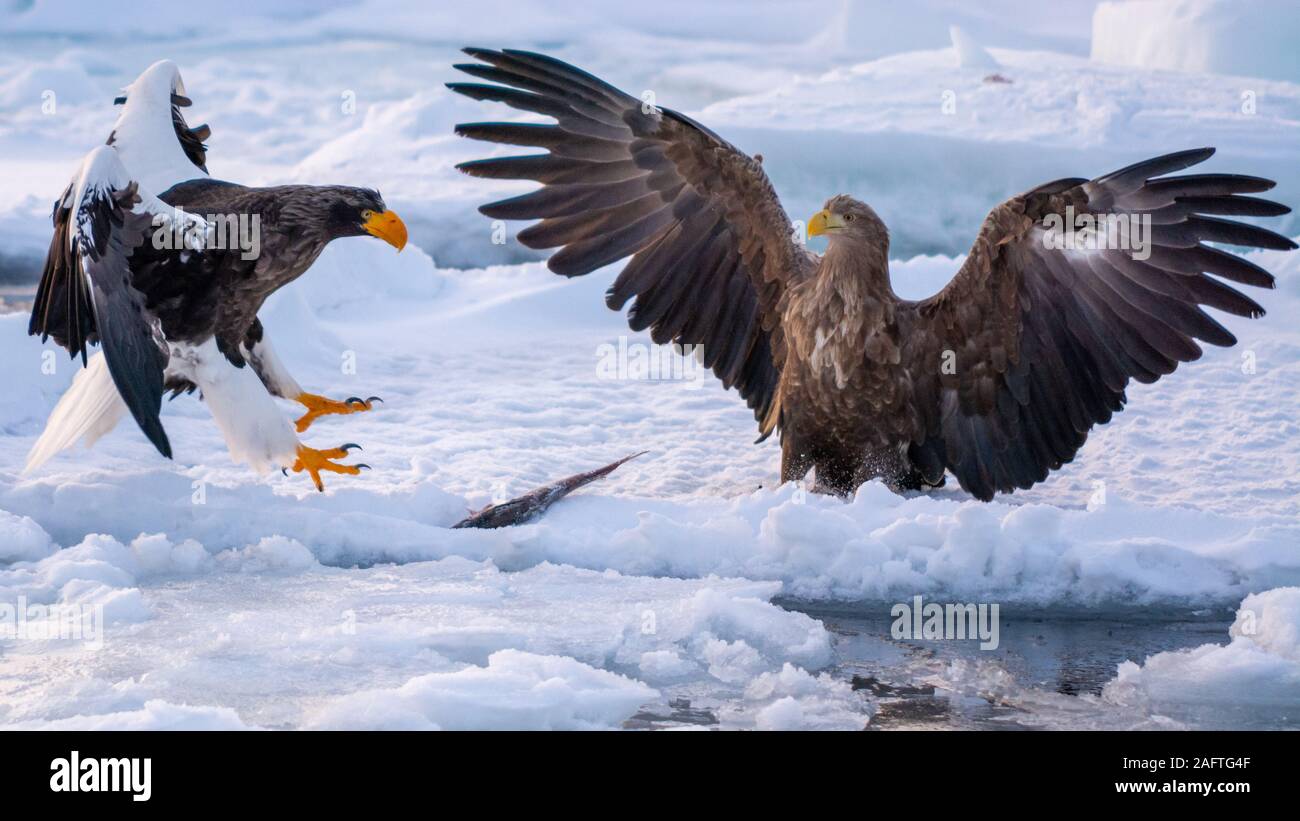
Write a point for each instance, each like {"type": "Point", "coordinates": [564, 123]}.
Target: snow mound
{"type": "Point", "coordinates": [515, 691]}
{"type": "Point", "coordinates": [1255, 39]}
{"type": "Point", "coordinates": [970, 54]}
{"type": "Point", "coordinates": [1256, 674]}
{"type": "Point", "coordinates": [22, 540]}
{"type": "Point", "coordinates": [794, 699]}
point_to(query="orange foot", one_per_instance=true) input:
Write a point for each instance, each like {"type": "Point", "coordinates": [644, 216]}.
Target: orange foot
{"type": "Point", "coordinates": [318, 406]}
{"type": "Point", "coordinates": [314, 461]}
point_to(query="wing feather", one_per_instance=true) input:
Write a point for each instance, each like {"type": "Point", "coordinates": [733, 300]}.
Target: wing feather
{"type": "Point", "coordinates": [1048, 338]}
{"type": "Point", "coordinates": [711, 249]}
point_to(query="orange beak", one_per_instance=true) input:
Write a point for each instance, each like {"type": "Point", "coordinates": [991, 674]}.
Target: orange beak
{"type": "Point", "coordinates": [387, 226]}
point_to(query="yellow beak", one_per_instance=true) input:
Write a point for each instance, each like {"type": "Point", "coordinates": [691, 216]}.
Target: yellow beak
{"type": "Point", "coordinates": [823, 222]}
{"type": "Point", "coordinates": [387, 226]}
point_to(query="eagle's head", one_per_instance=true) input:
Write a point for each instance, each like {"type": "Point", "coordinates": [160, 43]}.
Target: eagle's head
{"type": "Point", "coordinates": [846, 220]}
{"type": "Point", "coordinates": [159, 85]}
{"type": "Point", "coordinates": [357, 212]}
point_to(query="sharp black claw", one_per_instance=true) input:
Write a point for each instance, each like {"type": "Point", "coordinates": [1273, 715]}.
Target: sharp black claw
{"type": "Point", "coordinates": [349, 446]}
{"type": "Point", "coordinates": [374, 399]}
{"type": "Point", "coordinates": [285, 471]}
{"type": "Point", "coordinates": [353, 399]}
{"type": "Point", "coordinates": [363, 466]}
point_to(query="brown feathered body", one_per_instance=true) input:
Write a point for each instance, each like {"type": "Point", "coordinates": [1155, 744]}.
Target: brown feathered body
{"type": "Point", "coordinates": [844, 390]}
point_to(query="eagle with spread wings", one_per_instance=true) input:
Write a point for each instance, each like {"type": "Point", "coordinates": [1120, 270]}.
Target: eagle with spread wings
{"type": "Point", "coordinates": [997, 379]}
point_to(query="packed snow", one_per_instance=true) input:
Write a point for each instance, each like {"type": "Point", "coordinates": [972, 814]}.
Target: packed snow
{"type": "Point", "coordinates": [1254, 39]}
{"type": "Point", "coordinates": [676, 592]}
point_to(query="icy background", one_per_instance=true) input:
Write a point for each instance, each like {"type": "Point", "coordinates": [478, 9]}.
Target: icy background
{"type": "Point", "coordinates": [1164, 557]}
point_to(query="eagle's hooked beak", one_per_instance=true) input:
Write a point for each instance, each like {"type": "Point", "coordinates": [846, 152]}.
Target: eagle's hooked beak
{"type": "Point", "coordinates": [387, 226]}
{"type": "Point", "coordinates": [824, 222]}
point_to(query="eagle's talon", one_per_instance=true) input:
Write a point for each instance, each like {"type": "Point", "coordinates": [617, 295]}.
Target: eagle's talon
{"type": "Point", "coordinates": [318, 406]}
{"type": "Point", "coordinates": [314, 461]}
{"type": "Point", "coordinates": [349, 446]}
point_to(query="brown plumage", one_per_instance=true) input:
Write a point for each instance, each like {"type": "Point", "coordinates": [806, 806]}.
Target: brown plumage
{"type": "Point", "coordinates": [113, 278]}
{"type": "Point", "coordinates": [998, 378]}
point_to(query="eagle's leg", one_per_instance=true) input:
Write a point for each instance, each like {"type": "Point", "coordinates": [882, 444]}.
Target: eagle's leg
{"type": "Point", "coordinates": [838, 474]}
{"type": "Point", "coordinates": [913, 480]}
{"type": "Point", "coordinates": [314, 461]}
{"type": "Point", "coordinates": [796, 457]}
{"type": "Point", "coordinates": [318, 406]}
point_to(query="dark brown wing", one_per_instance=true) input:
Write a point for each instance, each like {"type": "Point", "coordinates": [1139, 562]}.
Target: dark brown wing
{"type": "Point", "coordinates": [712, 250]}
{"type": "Point", "coordinates": [1043, 342]}
{"type": "Point", "coordinates": [62, 305]}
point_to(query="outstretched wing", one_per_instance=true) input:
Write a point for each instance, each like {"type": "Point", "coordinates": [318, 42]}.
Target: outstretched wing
{"type": "Point", "coordinates": [1033, 343]}
{"type": "Point", "coordinates": [712, 250]}
{"type": "Point", "coordinates": [86, 293]}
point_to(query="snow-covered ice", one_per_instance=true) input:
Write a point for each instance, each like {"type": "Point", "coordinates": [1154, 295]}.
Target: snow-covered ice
{"type": "Point", "coordinates": [1252, 39]}
{"type": "Point", "coordinates": [676, 592]}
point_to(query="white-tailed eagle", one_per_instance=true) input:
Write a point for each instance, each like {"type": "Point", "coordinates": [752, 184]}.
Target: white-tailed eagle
{"type": "Point", "coordinates": [998, 378]}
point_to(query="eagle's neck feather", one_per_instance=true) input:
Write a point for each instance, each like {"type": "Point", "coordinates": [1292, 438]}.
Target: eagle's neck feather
{"type": "Point", "coordinates": [845, 309]}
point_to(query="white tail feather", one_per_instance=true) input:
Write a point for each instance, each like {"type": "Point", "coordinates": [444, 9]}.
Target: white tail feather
{"type": "Point", "coordinates": [89, 409]}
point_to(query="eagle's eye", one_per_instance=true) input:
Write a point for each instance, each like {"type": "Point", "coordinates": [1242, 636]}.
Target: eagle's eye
{"type": "Point", "coordinates": [367, 214]}
{"type": "Point", "coordinates": [848, 218]}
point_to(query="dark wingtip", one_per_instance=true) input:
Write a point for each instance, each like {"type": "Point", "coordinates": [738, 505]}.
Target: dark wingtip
{"type": "Point", "coordinates": [159, 439]}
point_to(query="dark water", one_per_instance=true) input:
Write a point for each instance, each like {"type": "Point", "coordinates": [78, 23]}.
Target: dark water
{"type": "Point", "coordinates": [1048, 672]}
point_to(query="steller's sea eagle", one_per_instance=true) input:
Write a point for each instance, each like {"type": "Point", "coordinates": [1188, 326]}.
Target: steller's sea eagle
{"type": "Point", "coordinates": [183, 315]}
{"type": "Point", "coordinates": [998, 378]}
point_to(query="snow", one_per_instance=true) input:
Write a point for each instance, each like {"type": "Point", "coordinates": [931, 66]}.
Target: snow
{"type": "Point", "coordinates": [970, 54]}
{"type": "Point", "coordinates": [1257, 671]}
{"type": "Point", "coordinates": [453, 643]}
{"type": "Point", "coordinates": [155, 714]}
{"type": "Point", "coordinates": [230, 600]}
{"type": "Point", "coordinates": [1254, 39]}
{"type": "Point", "coordinates": [514, 691]}
{"type": "Point", "coordinates": [21, 539]}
